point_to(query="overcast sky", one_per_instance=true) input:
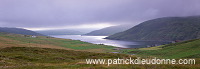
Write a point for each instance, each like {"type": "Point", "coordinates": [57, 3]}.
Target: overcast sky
{"type": "Point", "coordinates": [47, 14]}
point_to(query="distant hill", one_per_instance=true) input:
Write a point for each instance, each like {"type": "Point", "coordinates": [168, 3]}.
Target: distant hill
{"type": "Point", "coordinates": [19, 31]}
{"type": "Point", "coordinates": [60, 32]}
{"type": "Point", "coordinates": [163, 29]}
{"type": "Point", "coordinates": [109, 30]}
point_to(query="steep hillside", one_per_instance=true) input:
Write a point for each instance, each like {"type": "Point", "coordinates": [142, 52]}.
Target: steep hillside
{"type": "Point", "coordinates": [19, 31]}
{"type": "Point", "coordinates": [60, 32]}
{"type": "Point", "coordinates": [185, 49]}
{"type": "Point", "coordinates": [109, 30]}
{"type": "Point", "coordinates": [163, 29]}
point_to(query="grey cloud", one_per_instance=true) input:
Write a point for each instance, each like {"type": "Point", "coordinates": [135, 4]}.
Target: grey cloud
{"type": "Point", "coordinates": [51, 13]}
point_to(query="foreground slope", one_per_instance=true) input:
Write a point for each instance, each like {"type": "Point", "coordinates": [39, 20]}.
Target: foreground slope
{"type": "Point", "coordinates": [19, 52]}
{"type": "Point", "coordinates": [46, 58]}
{"type": "Point", "coordinates": [185, 49]}
{"type": "Point", "coordinates": [43, 58]}
{"type": "Point", "coordinates": [163, 29]}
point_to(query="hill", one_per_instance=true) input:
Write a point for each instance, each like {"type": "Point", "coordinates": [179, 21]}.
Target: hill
{"type": "Point", "coordinates": [18, 40]}
{"type": "Point", "coordinates": [185, 49]}
{"type": "Point", "coordinates": [109, 30]}
{"type": "Point", "coordinates": [19, 52]}
{"type": "Point", "coordinates": [163, 29]}
{"type": "Point", "coordinates": [60, 32]}
{"type": "Point", "coordinates": [19, 31]}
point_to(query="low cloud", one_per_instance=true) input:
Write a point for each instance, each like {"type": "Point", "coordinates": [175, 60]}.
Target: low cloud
{"type": "Point", "coordinates": [59, 13]}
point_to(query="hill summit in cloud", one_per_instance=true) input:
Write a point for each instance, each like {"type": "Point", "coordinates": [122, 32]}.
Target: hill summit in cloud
{"type": "Point", "coordinates": [109, 30]}
{"type": "Point", "coordinates": [163, 29]}
{"type": "Point", "coordinates": [19, 31]}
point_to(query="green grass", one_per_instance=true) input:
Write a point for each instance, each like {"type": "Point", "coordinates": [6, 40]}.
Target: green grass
{"type": "Point", "coordinates": [41, 41]}
{"type": "Point", "coordinates": [18, 57]}
{"type": "Point", "coordinates": [19, 52]}
{"type": "Point", "coordinates": [186, 49]}
{"type": "Point", "coordinates": [47, 58]}
{"type": "Point", "coordinates": [152, 48]}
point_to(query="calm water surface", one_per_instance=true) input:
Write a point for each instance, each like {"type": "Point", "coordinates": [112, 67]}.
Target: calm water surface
{"type": "Point", "coordinates": [117, 43]}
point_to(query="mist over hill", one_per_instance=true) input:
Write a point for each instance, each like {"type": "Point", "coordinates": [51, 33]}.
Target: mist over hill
{"type": "Point", "coordinates": [19, 31]}
{"type": "Point", "coordinates": [60, 32]}
{"type": "Point", "coordinates": [163, 29]}
{"type": "Point", "coordinates": [109, 30]}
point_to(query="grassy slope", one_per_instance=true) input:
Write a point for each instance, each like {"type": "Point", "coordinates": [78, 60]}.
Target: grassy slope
{"type": "Point", "coordinates": [162, 29]}
{"type": "Point", "coordinates": [34, 57]}
{"type": "Point", "coordinates": [186, 49]}
{"type": "Point", "coordinates": [47, 58]}
{"type": "Point", "coordinates": [10, 40]}
{"type": "Point", "coordinates": [17, 51]}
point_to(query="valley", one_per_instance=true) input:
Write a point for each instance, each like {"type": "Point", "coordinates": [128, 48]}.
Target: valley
{"type": "Point", "coordinates": [40, 52]}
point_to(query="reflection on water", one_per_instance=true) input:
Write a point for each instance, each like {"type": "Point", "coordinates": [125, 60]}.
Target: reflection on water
{"type": "Point", "coordinates": [117, 43]}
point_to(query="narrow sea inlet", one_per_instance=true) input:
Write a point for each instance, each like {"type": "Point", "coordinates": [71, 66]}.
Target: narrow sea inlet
{"type": "Point", "coordinates": [116, 43]}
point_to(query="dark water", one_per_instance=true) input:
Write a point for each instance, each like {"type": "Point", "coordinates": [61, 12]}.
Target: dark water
{"type": "Point", "coordinates": [117, 43]}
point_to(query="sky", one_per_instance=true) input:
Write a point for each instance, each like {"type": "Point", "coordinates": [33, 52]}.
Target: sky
{"type": "Point", "coordinates": [89, 14]}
